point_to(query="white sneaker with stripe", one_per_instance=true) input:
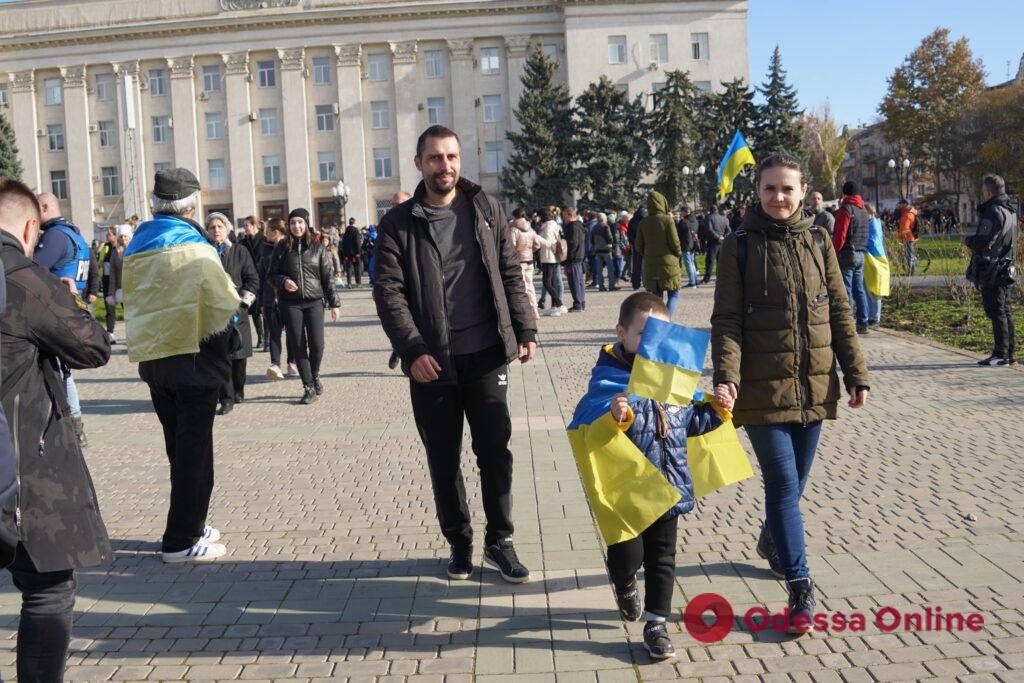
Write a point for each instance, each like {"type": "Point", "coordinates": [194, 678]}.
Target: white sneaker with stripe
{"type": "Point", "coordinates": [210, 535]}
{"type": "Point", "coordinates": [200, 552]}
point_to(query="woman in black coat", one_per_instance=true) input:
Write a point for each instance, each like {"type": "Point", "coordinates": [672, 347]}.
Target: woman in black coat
{"type": "Point", "coordinates": [238, 264]}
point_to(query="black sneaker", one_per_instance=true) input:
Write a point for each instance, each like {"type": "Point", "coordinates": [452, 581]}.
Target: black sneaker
{"type": "Point", "coordinates": [628, 599]}
{"type": "Point", "coordinates": [862, 329]}
{"type": "Point", "coordinates": [308, 396]}
{"type": "Point", "coordinates": [656, 640]}
{"type": "Point", "coordinates": [1007, 361]}
{"type": "Point", "coordinates": [239, 397]}
{"type": "Point", "coordinates": [225, 407]}
{"type": "Point", "coordinates": [991, 360]}
{"type": "Point", "coordinates": [502, 556]}
{"type": "Point", "coordinates": [318, 386]}
{"type": "Point", "coordinates": [766, 550]}
{"type": "Point", "coordinates": [460, 564]}
{"type": "Point", "coordinates": [540, 304]}
{"type": "Point", "coordinates": [801, 605]}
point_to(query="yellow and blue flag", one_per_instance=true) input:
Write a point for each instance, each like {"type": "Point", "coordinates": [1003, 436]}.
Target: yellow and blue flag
{"type": "Point", "coordinates": [876, 265]}
{"type": "Point", "coordinates": [735, 160]}
{"type": "Point", "coordinates": [668, 362]}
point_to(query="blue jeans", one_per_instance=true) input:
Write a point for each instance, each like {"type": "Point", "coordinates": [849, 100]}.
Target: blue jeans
{"type": "Point", "coordinates": [874, 308]}
{"type": "Point", "coordinates": [604, 262]}
{"type": "Point", "coordinates": [785, 453]}
{"type": "Point", "coordinates": [853, 276]}
{"type": "Point", "coordinates": [73, 405]}
{"type": "Point", "coordinates": [690, 262]}
{"type": "Point", "coordinates": [673, 299]}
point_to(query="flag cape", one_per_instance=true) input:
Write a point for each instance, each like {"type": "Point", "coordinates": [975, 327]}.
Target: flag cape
{"type": "Point", "coordinates": [716, 460]}
{"type": "Point", "coordinates": [176, 292]}
{"type": "Point", "coordinates": [736, 158]}
{"type": "Point", "coordinates": [876, 265]}
{"type": "Point", "coordinates": [668, 362]}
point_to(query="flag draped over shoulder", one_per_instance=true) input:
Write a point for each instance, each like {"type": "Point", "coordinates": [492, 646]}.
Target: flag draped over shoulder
{"type": "Point", "coordinates": [876, 265]}
{"type": "Point", "coordinates": [736, 158]}
{"type": "Point", "coordinates": [668, 362]}
{"type": "Point", "coordinates": [176, 292]}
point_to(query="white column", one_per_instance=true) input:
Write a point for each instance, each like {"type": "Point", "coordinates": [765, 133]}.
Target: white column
{"type": "Point", "coordinates": [239, 130]}
{"type": "Point", "coordinates": [406, 101]}
{"type": "Point", "coordinates": [296, 135]}
{"type": "Point", "coordinates": [518, 48]}
{"type": "Point", "coordinates": [134, 175]}
{"type": "Point", "coordinates": [25, 120]}
{"type": "Point", "coordinates": [79, 148]}
{"type": "Point", "coordinates": [350, 125]}
{"type": "Point", "coordinates": [183, 112]}
{"type": "Point", "coordinates": [464, 97]}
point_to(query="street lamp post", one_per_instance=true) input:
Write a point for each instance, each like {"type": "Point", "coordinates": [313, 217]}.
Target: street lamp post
{"type": "Point", "coordinates": [686, 174]}
{"type": "Point", "coordinates": [906, 174]}
{"type": "Point", "coordinates": [341, 192]}
{"type": "Point", "coordinates": [892, 165]}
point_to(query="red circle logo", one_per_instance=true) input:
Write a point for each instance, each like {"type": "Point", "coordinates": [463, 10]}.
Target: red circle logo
{"type": "Point", "coordinates": [693, 617]}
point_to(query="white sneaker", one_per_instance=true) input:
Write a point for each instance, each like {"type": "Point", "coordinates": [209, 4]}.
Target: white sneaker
{"type": "Point", "coordinates": [556, 312]}
{"type": "Point", "coordinates": [293, 370]}
{"type": "Point", "coordinates": [200, 552]}
{"type": "Point", "coordinates": [210, 535]}
{"type": "Point", "coordinates": [274, 373]}
{"type": "Point", "coordinates": [563, 309]}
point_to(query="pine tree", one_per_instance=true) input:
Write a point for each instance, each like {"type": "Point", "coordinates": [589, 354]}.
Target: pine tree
{"type": "Point", "coordinates": [674, 131]}
{"type": "Point", "coordinates": [539, 170]}
{"type": "Point", "coordinates": [10, 164]}
{"type": "Point", "coordinates": [778, 126]}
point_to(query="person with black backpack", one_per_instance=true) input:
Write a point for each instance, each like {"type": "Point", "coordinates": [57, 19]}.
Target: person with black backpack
{"type": "Point", "coordinates": [851, 239]}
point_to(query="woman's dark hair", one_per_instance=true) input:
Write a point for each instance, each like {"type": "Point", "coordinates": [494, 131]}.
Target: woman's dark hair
{"type": "Point", "coordinates": [545, 215]}
{"type": "Point", "coordinates": [777, 160]}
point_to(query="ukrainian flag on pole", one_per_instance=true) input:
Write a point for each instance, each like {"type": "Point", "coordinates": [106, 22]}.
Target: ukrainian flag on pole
{"type": "Point", "coordinates": [668, 362]}
{"type": "Point", "coordinates": [736, 158]}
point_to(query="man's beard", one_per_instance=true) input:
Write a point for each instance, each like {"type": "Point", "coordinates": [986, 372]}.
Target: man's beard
{"type": "Point", "coordinates": [434, 183]}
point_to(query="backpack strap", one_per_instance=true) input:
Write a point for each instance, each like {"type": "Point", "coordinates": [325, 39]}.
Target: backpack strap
{"type": "Point", "coordinates": [484, 207]}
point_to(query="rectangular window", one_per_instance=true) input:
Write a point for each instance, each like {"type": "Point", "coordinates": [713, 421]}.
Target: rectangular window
{"type": "Point", "coordinates": [551, 50]}
{"type": "Point", "coordinates": [108, 134]}
{"type": "Point", "coordinates": [324, 117]}
{"type": "Point", "coordinates": [378, 64]}
{"type": "Point", "coordinates": [656, 89]}
{"type": "Point", "coordinates": [272, 170]}
{"type": "Point", "coordinates": [214, 125]}
{"type": "Point", "coordinates": [55, 137]}
{"type": "Point", "coordinates": [433, 63]}
{"type": "Point", "coordinates": [267, 74]}
{"type": "Point", "coordinates": [158, 82]}
{"type": "Point", "coordinates": [268, 121]}
{"type": "Point", "coordinates": [616, 49]}
{"type": "Point", "coordinates": [328, 166]}
{"type": "Point", "coordinates": [382, 206]}
{"type": "Point", "coordinates": [161, 166]}
{"type": "Point", "coordinates": [218, 174]}
{"type": "Point", "coordinates": [211, 78]}
{"type": "Point", "coordinates": [380, 114]}
{"type": "Point", "coordinates": [659, 48]}
{"type": "Point", "coordinates": [381, 162]}
{"type": "Point", "coordinates": [703, 86]}
{"type": "Point", "coordinates": [322, 70]}
{"type": "Point", "coordinates": [161, 129]}
{"type": "Point", "coordinates": [4, 95]}
{"type": "Point", "coordinates": [494, 161]}
{"type": "Point", "coordinates": [490, 61]}
{"type": "Point", "coordinates": [437, 111]}
{"type": "Point", "coordinates": [699, 44]}
{"type": "Point", "coordinates": [53, 91]}
{"type": "Point", "coordinates": [493, 111]}
{"type": "Point", "coordinates": [59, 184]}
{"type": "Point", "coordinates": [111, 181]}
{"type": "Point", "coordinates": [104, 87]}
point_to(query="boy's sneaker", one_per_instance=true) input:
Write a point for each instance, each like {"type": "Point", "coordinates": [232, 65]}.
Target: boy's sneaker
{"type": "Point", "coordinates": [274, 374]}
{"type": "Point", "coordinates": [766, 550]}
{"type": "Point", "coordinates": [460, 564]}
{"type": "Point", "coordinates": [210, 535]}
{"type": "Point", "coordinates": [991, 361]}
{"type": "Point", "coordinates": [656, 640]}
{"type": "Point", "coordinates": [200, 552]}
{"type": "Point", "coordinates": [502, 556]}
{"type": "Point", "coordinates": [293, 370]}
{"type": "Point", "coordinates": [801, 605]}
{"type": "Point", "coordinates": [628, 599]}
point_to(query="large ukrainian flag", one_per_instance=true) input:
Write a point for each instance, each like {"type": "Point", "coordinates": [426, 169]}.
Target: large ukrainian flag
{"type": "Point", "coordinates": [736, 158]}
{"type": "Point", "coordinates": [668, 362]}
{"type": "Point", "coordinates": [876, 265]}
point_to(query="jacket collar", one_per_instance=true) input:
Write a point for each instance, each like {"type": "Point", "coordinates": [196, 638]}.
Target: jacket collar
{"type": "Point", "coordinates": [854, 199]}
{"type": "Point", "coordinates": [59, 220]}
{"type": "Point", "coordinates": [7, 240]}
{"type": "Point", "coordinates": [1002, 200]}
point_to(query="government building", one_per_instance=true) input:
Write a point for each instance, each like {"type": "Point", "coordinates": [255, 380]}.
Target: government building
{"type": "Point", "coordinates": [278, 104]}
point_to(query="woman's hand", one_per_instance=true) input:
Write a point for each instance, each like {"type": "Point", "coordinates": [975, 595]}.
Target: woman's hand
{"type": "Point", "coordinates": [335, 314]}
{"type": "Point", "coordinates": [290, 286]}
{"type": "Point", "coordinates": [725, 395]}
{"type": "Point", "coordinates": [858, 397]}
{"type": "Point", "coordinates": [620, 407]}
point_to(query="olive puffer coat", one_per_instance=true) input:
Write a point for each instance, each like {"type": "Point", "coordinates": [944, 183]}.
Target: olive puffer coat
{"type": "Point", "coordinates": [658, 242]}
{"type": "Point", "coordinates": [778, 329]}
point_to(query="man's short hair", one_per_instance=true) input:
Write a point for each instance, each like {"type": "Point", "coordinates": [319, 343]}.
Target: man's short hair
{"type": "Point", "coordinates": [570, 211]}
{"type": "Point", "coordinates": [252, 220]}
{"type": "Point", "coordinates": [994, 183]}
{"type": "Point", "coordinates": [16, 200]}
{"type": "Point", "coordinates": [640, 302]}
{"type": "Point", "coordinates": [434, 132]}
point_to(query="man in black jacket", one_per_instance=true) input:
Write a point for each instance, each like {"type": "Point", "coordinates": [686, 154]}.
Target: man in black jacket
{"type": "Point", "coordinates": [687, 228]}
{"type": "Point", "coordinates": [575, 237]}
{"type": "Point", "coordinates": [716, 230]}
{"type": "Point", "coordinates": [995, 248]}
{"type": "Point", "coordinates": [252, 240]}
{"type": "Point", "coordinates": [450, 296]}
{"type": "Point", "coordinates": [52, 526]}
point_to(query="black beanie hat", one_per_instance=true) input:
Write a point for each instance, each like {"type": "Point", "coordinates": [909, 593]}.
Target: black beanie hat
{"type": "Point", "coordinates": [174, 184]}
{"type": "Point", "coordinates": [299, 213]}
{"type": "Point", "coordinates": [851, 188]}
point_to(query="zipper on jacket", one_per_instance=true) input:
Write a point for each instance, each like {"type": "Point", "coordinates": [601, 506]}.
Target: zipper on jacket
{"type": "Point", "coordinates": [803, 389]}
{"type": "Point", "coordinates": [17, 463]}
{"type": "Point", "coordinates": [302, 280]}
{"type": "Point", "coordinates": [46, 423]}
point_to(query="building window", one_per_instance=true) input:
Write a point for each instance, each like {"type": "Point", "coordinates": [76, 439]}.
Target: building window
{"type": "Point", "coordinates": [53, 91]}
{"type": "Point", "coordinates": [490, 61]}
{"type": "Point", "coordinates": [659, 48]}
{"type": "Point", "coordinates": [218, 174]}
{"type": "Point", "coordinates": [493, 111]}
{"type": "Point", "coordinates": [161, 166]}
{"type": "Point", "coordinates": [328, 166]}
{"type": "Point", "coordinates": [214, 125]}
{"type": "Point", "coordinates": [161, 129]}
{"type": "Point", "coordinates": [437, 111]}
{"type": "Point", "coordinates": [111, 181]}
{"type": "Point", "coordinates": [623, 88]}
{"type": "Point", "coordinates": [104, 87]}
{"type": "Point", "coordinates": [59, 184]}
{"type": "Point", "coordinates": [322, 70]}
{"type": "Point", "coordinates": [324, 117]}
{"type": "Point", "coordinates": [272, 170]}
{"type": "Point", "coordinates": [267, 74]}
{"type": "Point", "coordinates": [656, 89]}
{"type": "Point", "coordinates": [381, 162]}
{"type": "Point", "coordinates": [494, 161]}
{"type": "Point", "coordinates": [616, 49]}
{"type": "Point", "coordinates": [158, 82]}
{"type": "Point", "coordinates": [55, 137]}
{"type": "Point", "coordinates": [378, 63]}
{"type": "Point", "coordinates": [382, 206]}
{"type": "Point", "coordinates": [699, 44]}
{"type": "Point", "coordinates": [268, 121]}
{"type": "Point", "coordinates": [433, 63]}
{"type": "Point", "coordinates": [4, 95]}
{"type": "Point", "coordinates": [551, 50]}
{"type": "Point", "coordinates": [380, 114]}
{"type": "Point", "coordinates": [108, 134]}
{"type": "Point", "coordinates": [703, 86]}
{"type": "Point", "coordinates": [211, 78]}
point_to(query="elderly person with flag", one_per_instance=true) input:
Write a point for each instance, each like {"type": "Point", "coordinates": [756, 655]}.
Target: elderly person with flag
{"type": "Point", "coordinates": [180, 307]}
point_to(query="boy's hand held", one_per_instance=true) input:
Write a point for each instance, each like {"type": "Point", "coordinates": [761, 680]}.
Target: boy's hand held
{"type": "Point", "coordinates": [620, 407]}
{"type": "Point", "coordinates": [725, 395]}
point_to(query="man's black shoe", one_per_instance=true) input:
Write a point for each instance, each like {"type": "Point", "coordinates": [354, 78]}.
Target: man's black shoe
{"type": "Point", "coordinates": [862, 329]}
{"type": "Point", "coordinates": [318, 386]}
{"type": "Point", "coordinates": [602, 289]}
{"type": "Point", "coordinates": [308, 395]}
{"type": "Point", "coordinates": [991, 360]}
{"type": "Point", "coordinates": [656, 640]}
{"type": "Point", "coordinates": [502, 556]}
{"type": "Point", "coordinates": [460, 564]}
{"type": "Point", "coordinates": [393, 361]}
{"type": "Point", "coordinates": [576, 309]}
{"type": "Point", "coordinates": [1007, 361]}
{"type": "Point", "coordinates": [801, 605]}
{"type": "Point", "coordinates": [766, 550]}
{"type": "Point", "coordinates": [628, 599]}
{"type": "Point", "coordinates": [239, 397]}
{"type": "Point", "coordinates": [540, 304]}
{"type": "Point", "coordinates": [614, 289]}
{"type": "Point", "coordinates": [225, 407]}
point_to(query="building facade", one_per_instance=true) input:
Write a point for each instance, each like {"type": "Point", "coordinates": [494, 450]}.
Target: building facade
{"type": "Point", "coordinates": [272, 103]}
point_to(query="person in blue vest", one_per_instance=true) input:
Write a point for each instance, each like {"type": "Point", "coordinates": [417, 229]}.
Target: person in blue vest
{"type": "Point", "coordinates": [64, 252]}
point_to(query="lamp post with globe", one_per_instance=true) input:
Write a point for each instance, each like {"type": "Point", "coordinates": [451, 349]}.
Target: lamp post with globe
{"type": "Point", "coordinates": [341, 192]}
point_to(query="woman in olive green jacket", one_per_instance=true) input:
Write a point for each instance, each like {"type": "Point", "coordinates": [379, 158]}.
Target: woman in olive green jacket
{"type": "Point", "coordinates": [658, 242]}
{"type": "Point", "coordinates": [777, 330]}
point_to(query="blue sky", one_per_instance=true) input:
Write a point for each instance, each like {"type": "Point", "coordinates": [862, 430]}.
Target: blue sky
{"type": "Point", "coordinates": [845, 52]}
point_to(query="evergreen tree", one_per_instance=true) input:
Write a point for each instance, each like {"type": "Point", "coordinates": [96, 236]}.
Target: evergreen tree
{"type": "Point", "coordinates": [732, 110]}
{"type": "Point", "coordinates": [674, 131]}
{"type": "Point", "coordinates": [10, 164]}
{"type": "Point", "coordinates": [778, 128]}
{"type": "Point", "coordinates": [539, 170]}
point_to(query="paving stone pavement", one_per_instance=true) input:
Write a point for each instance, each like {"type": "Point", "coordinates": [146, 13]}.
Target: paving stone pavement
{"type": "Point", "coordinates": [335, 564]}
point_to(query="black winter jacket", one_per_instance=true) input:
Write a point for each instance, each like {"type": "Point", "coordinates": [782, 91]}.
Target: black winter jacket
{"type": "Point", "coordinates": [996, 236]}
{"type": "Point", "coordinates": [351, 243]}
{"type": "Point", "coordinates": [238, 265]}
{"type": "Point", "coordinates": [310, 267]}
{"type": "Point", "coordinates": [687, 229]}
{"type": "Point", "coordinates": [602, 238]}
{"type": "Point", "coordinates": [575, 237]}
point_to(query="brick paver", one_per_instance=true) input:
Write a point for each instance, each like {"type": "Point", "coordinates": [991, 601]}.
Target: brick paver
{"type": "Point", "coordinates": [335, 564]}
